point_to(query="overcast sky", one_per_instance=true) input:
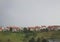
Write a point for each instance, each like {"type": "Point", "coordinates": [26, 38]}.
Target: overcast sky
{"type": "Point", "coordinates": [29, 12]}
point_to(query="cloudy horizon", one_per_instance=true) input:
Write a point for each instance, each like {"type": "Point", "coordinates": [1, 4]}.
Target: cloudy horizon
{"type": "Point", "coordinates": [29, 12]}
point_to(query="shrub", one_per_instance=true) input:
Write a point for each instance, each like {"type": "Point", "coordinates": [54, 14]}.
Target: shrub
{"type": "Point", "coordinates": [32, 40]}
{"type": "Point", "coordinates": [38, 39]}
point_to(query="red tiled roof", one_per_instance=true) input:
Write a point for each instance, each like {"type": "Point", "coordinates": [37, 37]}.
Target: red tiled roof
{"type": "Point", "coordinates": [13, 27]}
{"type": "Point", "coordinates": [37, 27]}
{"type": "Point", "coordinates": [0, 28]}
{"type": "Point", "coordinates": [53, 26]}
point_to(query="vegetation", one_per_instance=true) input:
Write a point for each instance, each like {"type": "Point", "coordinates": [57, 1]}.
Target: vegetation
{"type": "Point", "coordinates": [11, 29]}
{"type": "Point", "coordinates": [38, 40]}
{"type": "Point", "coordinates": [32, 40]}
{"type": "Point", "coordinates": [44, 40]}
{"type": "Point", "coordinates": [30, 36]}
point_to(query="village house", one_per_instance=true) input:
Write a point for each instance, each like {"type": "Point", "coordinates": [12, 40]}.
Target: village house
{"type": "Point", "coordinates": [1, 28]}
{"type": "Point", "coordinates": [36, 28]}
{"type": "Point", "coordinates": [21, 28]}
{"type": "Point", "coordinates": [43, 27]}
{"type": "Point", "coordinates": [31, 28]}
{"type": "Point", "coordinates": [6, 29]}
{"type": "Point", "coordinates": [55, 27]}
{"type": "Point", "coordinates": [14, 28]}
{"type": "Point", "coordinates": [50, 28]}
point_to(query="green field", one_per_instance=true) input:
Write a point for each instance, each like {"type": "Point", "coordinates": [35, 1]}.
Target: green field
{"type": "Point", "coordinates": [20, 36]}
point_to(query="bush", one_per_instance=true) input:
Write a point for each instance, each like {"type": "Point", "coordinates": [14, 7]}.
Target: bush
{"type": "Point", "coordinates": [44, 40]}
{"type": "Point", "coordinates": [38, 39]}
{"type": "Point", "coordinates": [32, 40]}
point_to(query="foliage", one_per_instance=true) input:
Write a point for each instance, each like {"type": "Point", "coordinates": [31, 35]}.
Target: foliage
{"type": "Point", "coordinates": [38, 39]}
{"type": "Point", "coordinates": [11, 29]}
{"type": "Point", "coordinates": [20, 37]}
{"type": "Point", "coordinates": [44, 40]}
{"type": "Point", "coordinates": [25, 30]}
{"type": "Point", "coordinates": [32, 40]}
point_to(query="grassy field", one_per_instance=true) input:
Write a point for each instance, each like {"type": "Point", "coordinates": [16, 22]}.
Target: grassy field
{"type": "Point", "coordinates": [14, 37]}
{"type": "Point", "coordinates": [20, 37]}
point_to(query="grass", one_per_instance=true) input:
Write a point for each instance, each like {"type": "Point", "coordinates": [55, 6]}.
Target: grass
{"type": "Point", "coordinates": [19, 37]}
{"type": "Point", "coordinates": [14, 37]}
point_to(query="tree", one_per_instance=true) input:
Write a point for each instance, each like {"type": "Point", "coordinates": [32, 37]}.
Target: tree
{"type": "Point", "coordinates": [25, 30]}
{"type": "Point", "coordinates": [38, 39]}
{"type": "Point", "coordinates": [11, 29]}
{"type": "Point", "coordinates": [46, 30]}
{"type": "Point", "coordinates": [29, 30]}
{"type": "Point", "coordinates": [32, 40]}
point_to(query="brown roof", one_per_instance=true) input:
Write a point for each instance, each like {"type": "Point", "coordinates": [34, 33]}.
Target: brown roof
{"type": "Point", "coordinates": [13, 27]}
{"type": "Point", "coordinates": [53, 26]}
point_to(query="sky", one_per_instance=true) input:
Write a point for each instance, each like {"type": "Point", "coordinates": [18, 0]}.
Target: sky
{"type": "Point", "coordinates": [29, 12]}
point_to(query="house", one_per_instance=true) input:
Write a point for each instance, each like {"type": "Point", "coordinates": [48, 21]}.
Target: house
{"type": "Point", "coordinates": [31, 28]}
{"type": "Point", "coordinates": [43, 27]}
{"type": "Point", "coordinates": [35, 28]}
{"type": "Point", "coordinates": [6, 29]}
{"type": "Point", "coordinates": [14, 28]}
{"type": "Point", "coordinates": [50, 28]}
{"type": "Point", "coordinates": [54, 27]}
{"type": "Point", "coordinates": [1, 28]}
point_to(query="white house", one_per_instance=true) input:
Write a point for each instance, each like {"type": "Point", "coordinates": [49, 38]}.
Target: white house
{"type": "Point", "coordinates": [14, 28]}
{"type": "Point", "coordinates": [43, 27]}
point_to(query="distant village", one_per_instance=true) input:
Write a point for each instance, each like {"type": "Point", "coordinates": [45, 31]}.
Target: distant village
{"type": "Point", "coordinates": [34, 28]}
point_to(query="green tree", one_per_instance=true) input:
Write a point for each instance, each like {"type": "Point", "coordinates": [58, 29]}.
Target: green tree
{"type": "Point", "coordinates": [25, 30]}
{"type": "Point", "coordinates": [46, 30]}
{"type": "Point", "coordinates": [11, 29]}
